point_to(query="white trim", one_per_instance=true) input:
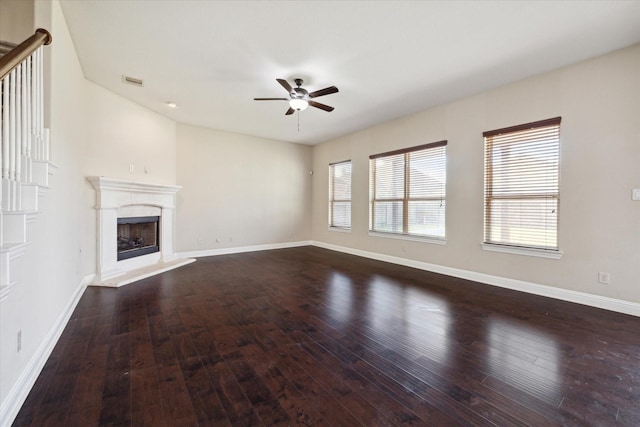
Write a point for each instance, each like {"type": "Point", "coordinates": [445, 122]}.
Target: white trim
{"type": "Point", "coordinates": [411, 238]}
{"type": "Point", "coordinates": [241, 249]}
{"type": "Point", "coordinates": [521, 251]}
{"type": "Point", "coordinates": [114, 185]}
{"type": "Point", "coordinates": [17, 395]}
{"type": "Point", "coordinates": [612, 304]}
{"type": "Point", "coordinates": [8, 253]}
{"type": "Point", "coordinates": [5, 290]}
{"type": "Point", "coordinates": [339, 229]}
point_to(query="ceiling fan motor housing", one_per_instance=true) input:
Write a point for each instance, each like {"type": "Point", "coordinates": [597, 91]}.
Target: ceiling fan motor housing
{"type": "Point", "coordinates": [300, 93]}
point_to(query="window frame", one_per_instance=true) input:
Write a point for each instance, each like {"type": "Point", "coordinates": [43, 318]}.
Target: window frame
{"type": "Point", "coordinates": [406, 199]}
{"type": "Point", "coordinates": [333, 200]}
{"type": "Point", "coordinates": [512, 246]}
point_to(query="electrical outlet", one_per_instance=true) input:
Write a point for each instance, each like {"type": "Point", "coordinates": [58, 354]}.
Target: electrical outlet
{"type": "Point", "coordinates": [635, 194]}
{"type": "Point", "coordinates": [604, 278]}
{"type": "Point", "coordinates": [200, 241]}
{"type": "Point", "coordinates": [131, 167]}
{"type": "Point", "coordinates": [19, 342]}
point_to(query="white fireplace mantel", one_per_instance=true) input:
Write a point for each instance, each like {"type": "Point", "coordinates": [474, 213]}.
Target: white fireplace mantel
{"type": "Point", "coordinates": [118, 197]}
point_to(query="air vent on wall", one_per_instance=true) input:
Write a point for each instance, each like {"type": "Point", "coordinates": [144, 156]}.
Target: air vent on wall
{"type": "Point", "coordinates": [132, 81]}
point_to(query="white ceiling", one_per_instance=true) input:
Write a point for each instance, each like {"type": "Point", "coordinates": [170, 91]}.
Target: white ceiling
{"type": "Point", "coordinates": [388, 59]}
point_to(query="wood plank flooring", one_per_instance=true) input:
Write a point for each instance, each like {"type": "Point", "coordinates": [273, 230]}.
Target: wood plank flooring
{"type": "Point", "coordinates": [307, 336]}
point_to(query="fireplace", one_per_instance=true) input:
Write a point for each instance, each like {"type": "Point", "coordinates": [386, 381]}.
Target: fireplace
{"type": "Point", "coordinates": [137, 236]}
{"type": "Point", "coordinates": [118, 199]}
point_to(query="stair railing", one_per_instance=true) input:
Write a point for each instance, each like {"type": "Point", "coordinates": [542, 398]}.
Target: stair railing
{"type": "Point", "coordinates": [23, 138]}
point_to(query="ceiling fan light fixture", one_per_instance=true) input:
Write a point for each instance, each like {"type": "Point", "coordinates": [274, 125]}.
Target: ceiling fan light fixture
{"type": "Point", "coordinates": [299, 104]}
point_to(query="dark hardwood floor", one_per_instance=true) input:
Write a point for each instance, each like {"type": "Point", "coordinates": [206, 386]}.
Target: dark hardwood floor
{"type": "Point", "coordinates": [310, 336]}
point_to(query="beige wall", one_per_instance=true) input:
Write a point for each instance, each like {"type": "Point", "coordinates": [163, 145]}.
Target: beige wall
{"type": "Point", "coordinates": [599, 101]}
{"type": "Point", "coordinates": [16, 20]}
{"type": "Point", "coordinates": [121, 133]}
{"type": "Point", "coordinates": [242, 190]}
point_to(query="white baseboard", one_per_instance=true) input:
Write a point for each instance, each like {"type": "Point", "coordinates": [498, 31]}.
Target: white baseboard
{"type": "Point", "coordinates": [612, 304]}
{"type": "Point", "coordinates": [15, 398]}
{"type": "Point", "coordinates": [241, 249]}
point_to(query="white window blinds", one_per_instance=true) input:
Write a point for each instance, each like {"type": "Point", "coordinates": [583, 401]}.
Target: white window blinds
{"type": "Point", "coordinates": [340, 194]}
{"type": "Point", "coordinates": [522, 185]}
{"type": "Point", "coordinates": [408, 189]}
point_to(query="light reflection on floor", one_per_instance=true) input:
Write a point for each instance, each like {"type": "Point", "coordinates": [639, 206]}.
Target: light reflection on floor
{"type": "Point", "coordinates": [523, 357]}
{"type": "Point", "coordinates": [421, 315]}
{"type": "Point", "coordinates": [382, 299]}
{"type": "Point", "coordinates": [512, 352]}
{"type": "Point", "coordinates": [339, 298]}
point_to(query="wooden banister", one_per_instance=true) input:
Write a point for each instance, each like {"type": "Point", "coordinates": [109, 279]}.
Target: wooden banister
{"type": "Point", "coordinates": [9, 61]}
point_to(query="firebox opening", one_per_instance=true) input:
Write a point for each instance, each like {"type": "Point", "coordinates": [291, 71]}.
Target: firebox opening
{"type": "Point", "coordinates": [138, 236]}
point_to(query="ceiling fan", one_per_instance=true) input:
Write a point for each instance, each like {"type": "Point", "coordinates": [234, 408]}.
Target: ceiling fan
{"type": "Point", "coordinates": [299, 98]}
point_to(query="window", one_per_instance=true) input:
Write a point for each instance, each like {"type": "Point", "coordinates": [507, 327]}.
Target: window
{"type": "Point", "coordinates": [521, 196]}
{"type": "Point", "coordinates": [340, 195]}
{"type": "Point", "coordinates": [408, 191]}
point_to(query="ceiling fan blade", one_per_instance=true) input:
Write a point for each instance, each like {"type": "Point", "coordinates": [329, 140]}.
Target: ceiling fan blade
{"type": "Point", "coordinates": [321, 106]}
{"type": "Point", "coordinates": [322, 92]}
{"type": "Point", "coordinates": [289, 111]}
{"type": "Point", "coordinates": [285, 84]}
{"type": "Point", "coordinates": [270, 99]}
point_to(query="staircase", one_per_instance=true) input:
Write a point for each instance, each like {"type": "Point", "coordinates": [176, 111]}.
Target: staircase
{"type": "Point", "coordinates": [24, 150]}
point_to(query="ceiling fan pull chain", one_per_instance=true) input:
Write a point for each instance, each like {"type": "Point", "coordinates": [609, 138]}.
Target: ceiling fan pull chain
{"type": "Point", "coordinates": [298, 120]}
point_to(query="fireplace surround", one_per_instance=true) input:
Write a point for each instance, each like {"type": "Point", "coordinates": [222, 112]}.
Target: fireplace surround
{"type": "Point", "coordinates": [117, 198]}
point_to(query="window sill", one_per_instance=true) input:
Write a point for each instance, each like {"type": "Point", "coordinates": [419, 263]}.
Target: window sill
{"type": "Point", "coordinates": [433, 240]}
{"type": "Point", "coordinates": [522, 251]}
{"type": "Point", "coordinates": [339, 229]}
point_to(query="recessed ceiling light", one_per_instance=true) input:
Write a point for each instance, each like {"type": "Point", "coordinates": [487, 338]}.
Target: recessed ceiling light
{"type": "Point", "coordinates": [172, 104]}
